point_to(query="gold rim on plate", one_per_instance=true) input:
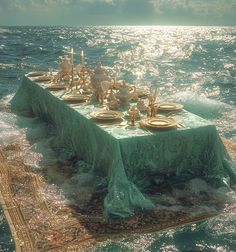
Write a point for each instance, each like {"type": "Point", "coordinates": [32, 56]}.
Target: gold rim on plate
{"type": "Point", "coordinates": [75, 98]}
{"type": "Point", "coordinates": [169, 106]}
{"type": "Point", "coordinates": [106, 115]}
{"type": "Point", "coordinates": [159, 122]}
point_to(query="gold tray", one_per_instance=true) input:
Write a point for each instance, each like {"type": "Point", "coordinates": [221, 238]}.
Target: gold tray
{"type": "Point", "coordinates": [169, 106]}
{"type": "Point", "coordinates": [35, 74]}
{"type": "Point", "coordinates": [159, 122]}
{"type": "Point", "coordinates": [73, 98]}
{"type": "Point", "coordinates": [106, 115]}
{"type": "Point", "coordinates": [57, 87]}
{"type": "Point", "coordinates": [43, 78]}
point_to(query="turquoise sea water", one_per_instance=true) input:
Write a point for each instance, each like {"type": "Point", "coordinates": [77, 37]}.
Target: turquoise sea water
{"type": "Point", "coordinates": [193, 65]}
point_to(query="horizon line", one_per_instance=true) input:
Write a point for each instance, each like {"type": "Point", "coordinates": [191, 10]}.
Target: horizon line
{"type": "Point", "coordinates": [115, 25]}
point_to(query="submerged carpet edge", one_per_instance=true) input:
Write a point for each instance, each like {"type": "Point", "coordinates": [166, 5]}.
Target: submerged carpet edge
{"type": "Point", "coordinates": [11, 211]}
{"type": "Point", "coordinates": [20, 229]}
{"type": "Point", "coordinates": [10, 223]}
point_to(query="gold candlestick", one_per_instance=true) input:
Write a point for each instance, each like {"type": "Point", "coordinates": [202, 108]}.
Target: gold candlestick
{"type": "Point", "coordinates": [72, 73]}
{"type": "Point", "coordinates": [83, 75]}
{"type": "Point", "coordinates": [151, 105]}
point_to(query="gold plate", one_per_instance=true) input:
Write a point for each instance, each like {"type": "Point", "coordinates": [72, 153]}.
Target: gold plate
{"type": "Point", "coordinates": [35, 74]}
{"type": "Point", "coordinates": [106, 115]}
{"type": "Point", "coordinates": [169, 106]}
{"type": "Point", "coordinates": [56, 87]}
{"type": "Point", "coordinates": [43, 78]}
{"type": "Point", "coordinates": [73, 98]}
{"type": "Point", "coordinates": [159, 122]}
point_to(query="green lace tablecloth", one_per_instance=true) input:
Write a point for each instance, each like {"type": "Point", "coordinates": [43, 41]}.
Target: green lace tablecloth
{"type": "Point", "coordinates": [129, 159]}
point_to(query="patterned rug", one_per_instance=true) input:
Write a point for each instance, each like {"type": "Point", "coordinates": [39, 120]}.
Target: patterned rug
{"type": "Point", "coordinates": [42, 219]}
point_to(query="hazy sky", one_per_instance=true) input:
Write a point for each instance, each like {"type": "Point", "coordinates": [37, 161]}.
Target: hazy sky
{"type": "Point", "coordinates": [117, 12]}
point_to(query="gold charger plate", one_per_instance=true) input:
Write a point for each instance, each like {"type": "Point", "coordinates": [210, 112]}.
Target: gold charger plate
{"type": "Point", "coordinates": [169, 106]}
{"type": "Point", "coordinates": [73, 98]}
{"type": "Point", "coordinates": [35, 74]}
{"type": "Point", "coordinates": [56, 87]}
{"type": "Point", "coordinates": [106, 115]}
{"type": "Point", "coordinates": [159, 122]}
{"type": "Point", "coordinates": [43, 78]}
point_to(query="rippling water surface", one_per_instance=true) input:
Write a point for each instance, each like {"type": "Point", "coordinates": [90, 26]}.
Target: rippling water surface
{"type": "Point", "coordinates": [193, 65]}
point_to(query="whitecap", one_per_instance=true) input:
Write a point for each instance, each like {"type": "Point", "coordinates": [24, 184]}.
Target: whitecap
{"type": "Point", "coordinates": [4, 30]}
{"type": "Point", "coordinates": [200, 105]}
{"type": "Point", "coordinates": [4, 66]}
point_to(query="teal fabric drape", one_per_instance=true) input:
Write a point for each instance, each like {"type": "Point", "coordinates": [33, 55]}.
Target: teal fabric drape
{"type": "Point", "coordinates": [129, 158]}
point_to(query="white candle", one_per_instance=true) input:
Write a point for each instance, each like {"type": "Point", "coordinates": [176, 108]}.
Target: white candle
{"type": "Point", "coordinates": [72, 56]}
{"type": "Point", "coordinates": [82, 57]}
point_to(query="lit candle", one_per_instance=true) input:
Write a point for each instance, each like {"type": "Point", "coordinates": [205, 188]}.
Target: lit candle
{"type": "Point", "coordinates": [82, 57]}
{"type": "Point", "coordinates": [72, 56]}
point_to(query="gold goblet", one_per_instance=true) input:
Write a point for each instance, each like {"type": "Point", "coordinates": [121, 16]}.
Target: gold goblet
{"type": "Point", "coordinates": [133, 113]}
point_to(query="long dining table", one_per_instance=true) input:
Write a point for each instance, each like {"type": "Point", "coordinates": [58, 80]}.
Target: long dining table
{"type": "Point", "coordinates": [129, 159]}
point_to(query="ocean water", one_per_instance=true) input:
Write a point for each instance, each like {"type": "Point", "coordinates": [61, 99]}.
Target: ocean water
{"type": "Point", "coordinates": [193, 65]}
